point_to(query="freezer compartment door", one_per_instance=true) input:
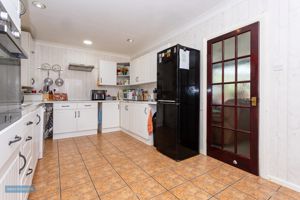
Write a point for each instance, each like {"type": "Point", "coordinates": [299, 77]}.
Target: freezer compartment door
{"type": "Point", "coordinates": [167, 118]}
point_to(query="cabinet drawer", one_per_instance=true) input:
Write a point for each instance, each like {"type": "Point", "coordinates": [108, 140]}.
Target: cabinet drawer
{"type": "Point", "coordinates": [10, 140]}
{"type": "Point", "coordinates": [64, 106]}
{"type": "Point", "coordinates": [87, 105]}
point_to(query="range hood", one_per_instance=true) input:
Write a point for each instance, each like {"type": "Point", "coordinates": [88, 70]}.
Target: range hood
{"type": "Point", "coordinates": [83, 68]}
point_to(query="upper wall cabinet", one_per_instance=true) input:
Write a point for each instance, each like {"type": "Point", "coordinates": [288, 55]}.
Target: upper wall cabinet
{"type": "Point", "coordinates": [26, 64]}
{"type": "Point", "coordinates": [143, 69]}
{"type": "Point", "coordinates": [107, 73]}
{"type": "Point", "coordinates": [13, 9]}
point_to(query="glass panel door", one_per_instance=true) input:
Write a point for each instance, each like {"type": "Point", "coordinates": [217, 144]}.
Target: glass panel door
{"type": "Point", "coordinates": [232, 84]}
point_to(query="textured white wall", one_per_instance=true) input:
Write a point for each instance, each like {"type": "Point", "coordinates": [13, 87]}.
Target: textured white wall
{"type": "Point", "coordinates": [77, 84]}
{"type": "Point", "coordinates": [279, 139]}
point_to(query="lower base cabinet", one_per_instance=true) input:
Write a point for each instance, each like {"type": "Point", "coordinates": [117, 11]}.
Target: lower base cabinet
{"type": "Point", "coordinates": [134, 118]}
{"type": "Point", "coordinates": [16, 173]}
{"type": "Point", "coordinates": [110, 116]}
{"type": "Point", "coordinates": [74, 119]}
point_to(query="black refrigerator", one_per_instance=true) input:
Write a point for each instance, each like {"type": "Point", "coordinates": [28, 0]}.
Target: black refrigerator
{"type": "Point", "coordinates": [177, 117]}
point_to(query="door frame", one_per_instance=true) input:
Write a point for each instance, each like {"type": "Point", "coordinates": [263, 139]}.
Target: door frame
{"type": "Point", "coordinates": [264, 166]}
{"type": "Point", "coordinates": [249, 164]}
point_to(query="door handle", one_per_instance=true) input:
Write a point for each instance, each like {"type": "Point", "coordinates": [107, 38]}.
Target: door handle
{"type": "Point", "coordinates": [24, 165]}
{"type": "Point", "coordinates": [17, 139]}
{"type": "Point", "coordinates": [29, 172]}
{"type": "Point", "coordinates": [29, 123]}
{"type": "Point", "coordinates": [254, 101]}
{"type": "Point", "coordinates": [28, 138]}
{"type": "Point", "coordinates": [39, 117]}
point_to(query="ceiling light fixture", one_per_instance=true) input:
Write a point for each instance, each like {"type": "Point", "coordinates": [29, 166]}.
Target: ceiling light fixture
{"type": "Point", "coordinates": [87, 42]}
{"type": "Point", "coordinates": [130, 40]}
{"type": "Point", "coordinates": [39, 4]}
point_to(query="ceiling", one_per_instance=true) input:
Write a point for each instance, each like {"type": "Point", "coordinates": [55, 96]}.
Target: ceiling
{"type": "Point", "coordinates": [109, 23]}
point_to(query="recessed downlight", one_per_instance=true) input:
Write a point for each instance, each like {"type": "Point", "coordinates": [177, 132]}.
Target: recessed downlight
{"type": "Point", "coordinates": [87, 42]}
{"type": "Point", "coordinates": [130, 40]}
{"type": "Point", "coordinates": [39, 4]}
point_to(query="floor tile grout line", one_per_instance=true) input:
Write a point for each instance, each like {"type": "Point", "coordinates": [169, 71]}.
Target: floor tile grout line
{"type": "Point", "coordinates": [114, 170]}
{"type": "Point", "coordinates": [58, 157]}
{"type": "Point", "coordinates": [87, 170]}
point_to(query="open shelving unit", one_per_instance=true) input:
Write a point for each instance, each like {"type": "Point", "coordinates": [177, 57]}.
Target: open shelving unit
{"type": "Point", "coordinates": [123, 74]}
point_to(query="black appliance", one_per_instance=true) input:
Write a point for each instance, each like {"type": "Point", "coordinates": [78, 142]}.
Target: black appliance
{"type": "Point", "coordinates": [177, 117]}
{"type": "Point", "coordinates": [10, 73]}
{"type": "Point", "coordinates": [97, 95]}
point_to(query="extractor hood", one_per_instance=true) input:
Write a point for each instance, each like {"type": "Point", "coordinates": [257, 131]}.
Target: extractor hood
{"type": "Point", "coordinates": [80, 67]}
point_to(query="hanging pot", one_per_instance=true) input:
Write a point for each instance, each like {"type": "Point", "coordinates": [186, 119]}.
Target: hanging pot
{"type": "Point", "coordinates": [59, 81]}
{"type": "Point", "coordinates": [48, 81]}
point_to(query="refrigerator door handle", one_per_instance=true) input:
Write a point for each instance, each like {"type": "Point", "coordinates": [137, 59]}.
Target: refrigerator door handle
{"type": "Point", "coordinates": [167, 101]}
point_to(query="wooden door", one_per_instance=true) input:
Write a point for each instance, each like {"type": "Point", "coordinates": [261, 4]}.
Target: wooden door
{"type": "Point", "coordinates": [232, 97]}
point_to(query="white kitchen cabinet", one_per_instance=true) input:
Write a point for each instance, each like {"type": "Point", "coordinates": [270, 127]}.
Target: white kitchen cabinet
{"type": "Point", "coordinates": [110, 115]}
{"type": "Point", "coordinates": [38, 132]}
{"type": "Point", "coordinates": [64, 121]}
{"type": "Point", "coordinates": [143, 69]}
{"type": "Point", "coordinates": [134, 119]}
{"type": "Point", "coordinates": [87, 119]}
{"type": "Point", "coordinates": [10, 177]}
{"type": "Point", "coordinates": [74, 119]}
{"type": "Point", "coordinates": [125, 117]}
{"type": "Point", "coordinates": [107, 73]}
{"type": "Point", "coordinates": [26, 64]}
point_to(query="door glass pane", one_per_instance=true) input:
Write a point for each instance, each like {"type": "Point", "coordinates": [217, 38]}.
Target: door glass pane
{"type": "Point", "coordinates": [217, 94]}
{"type": "Point", "coordinates": [229, 71]}
{"type": "Point", "coordinates": [229, 116]}
{"type": "Point", "coordinates": [229, 91]}
{"type": "Point", "coordinates": [243, 144]}
{"type": "Point", "coordinates": [244, 44]}
{"type": "Point", "coordinates": [216, 115]}
{"type": "Point", "coordinates": [217, 52]}
{"type": "Point", "coordinates": [228, 140]}
{"type": "Point", "coordinates": [217, 73]}
{"type": "Point", "coordinates": [229, 48]}
{"type": "Point", "coordinates": [243, 94]}
{"type": "Point", "coordinates": [216, 137]}
{"type": "Point", "coordinates": [243, 121]}
{"type": "Point", "coordinates": [244, 69]}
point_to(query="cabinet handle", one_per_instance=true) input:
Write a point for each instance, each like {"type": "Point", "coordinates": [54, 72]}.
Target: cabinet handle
{"type": "Point", "coordinates": [29, 172]}
{"type": "Point", "coordinates": [28, 138]}
{"type": "Point", "coordinates": [87, 105]}
{"type": "Point", "coordinates": [145, 111]}
{"type": "Point", "coordinates": [100, 80]}
{"type": "Point", "coordinates": [24, 165]}
{"type": "Point", "coordinates": [29, 123]}
{"type": "Point", "coordinates": [78, 114]}
{"type": "Point", "coordinates": [17, 139]}
{"type": "Point", "coordinates": [126, 108]}
{"type": "Point", "coordinates": [67, 106]}
{"type": "Point", "coordinates": [39, 117]}
{"type": "Point", "coordinates": [75, 114]}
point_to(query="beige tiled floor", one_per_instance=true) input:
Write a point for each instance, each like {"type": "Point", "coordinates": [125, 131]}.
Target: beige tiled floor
{"type": "Point", "coordinates": [118, 167]}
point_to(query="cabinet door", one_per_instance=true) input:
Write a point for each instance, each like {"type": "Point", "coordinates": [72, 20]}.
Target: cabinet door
{"type": "Point", "coordinates": [110, 115]}
{"type": "Point", "coordinates": [152, 59]}
{"type": "Point", "coordinates": [125, 118]}
{"type": "Point", "coordinates": [39, 136]}
{"type": "Point", "coordinates": [64, 121]}
{"type": "Point", "coordinates": [133, 72]}
{"type": "Point", "coordinates": [141, 120]}
{"type": "Point", "coordinates": [108, 73]}
{"type": "Point", "coordinates": [10, 178]}
{"type": "Point", "coordinates": [87, 119]}
{"type": "Point", "coordinates": [25, 63]}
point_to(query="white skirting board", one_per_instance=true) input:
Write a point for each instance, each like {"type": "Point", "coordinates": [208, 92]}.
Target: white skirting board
{"type": "Point", "coordinates": [284, 183]}
{"type": "Point", "coordinates": [74, 134]}
{"type": "Point", "coordinates": [109, 130]}
{"type": "Point", "coordinates": [148, 142]}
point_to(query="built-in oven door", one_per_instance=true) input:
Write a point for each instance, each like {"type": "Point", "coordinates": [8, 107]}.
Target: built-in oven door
{"type": "Point", "coordinates": [10, 90]}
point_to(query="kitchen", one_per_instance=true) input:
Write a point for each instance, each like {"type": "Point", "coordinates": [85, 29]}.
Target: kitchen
{"type": "Point", "coordinates": [105, 114]}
